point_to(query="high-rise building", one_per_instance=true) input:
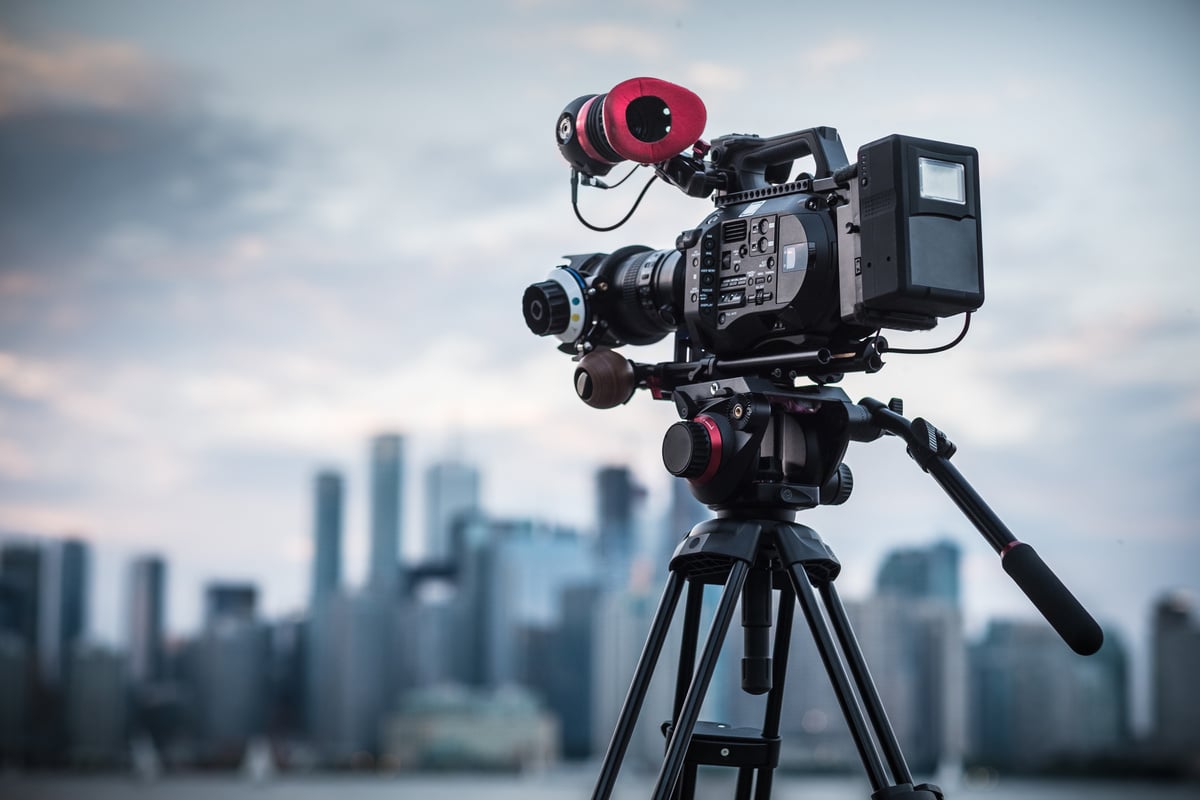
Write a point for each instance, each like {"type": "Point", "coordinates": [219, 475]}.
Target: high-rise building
{"type": "Point", "coordinates": [1036, 704]}
{"type": "Point", "coordinates": [929, 573]}
{"type": "Point", "coordinates": [327, 535]}
{"type": "Point", "coordinates": [347, 673]}
{"type": "Point", "coordinates": [616, 499]}
{"type": "Point", "coordinates": [21, 577]}
{"type": "Point", "coordinates": [913, 630]}
{"type": "Point", "coordinates": [15, 671]}
{"type": "Point", "coordinates": [512, 577]}
{"type": "Point", "coordinates": [1176, 663]}
{"type": "Point", "coordinates": [451, 493]}
{"type": "Point", "coordinates": [916, 650]}
{"type": "Point", "coordinates": [287, 676]}
{"type": "Point", "coordinates": [147, 619]}
{"type": "Point", "coordinates": [387, 493]}
{"type": "Point", "coordinates": [569, 693]}
{"type": "Point", "coordinates": [231, 670]}
{"type": "Point", "coordinates": [229, 601]}
{"type": "Point", "coordinates": [66, 578]}
{"type": "Point", "coordinates": [95, 707]}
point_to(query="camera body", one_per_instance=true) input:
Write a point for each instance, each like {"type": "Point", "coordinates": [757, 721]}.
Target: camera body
{"type": "Point", "coordinates": [820, 260]}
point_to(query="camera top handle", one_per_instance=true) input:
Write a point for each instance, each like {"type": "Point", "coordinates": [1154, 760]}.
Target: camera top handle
{"type": "Point", "coordinates": [752, 162]}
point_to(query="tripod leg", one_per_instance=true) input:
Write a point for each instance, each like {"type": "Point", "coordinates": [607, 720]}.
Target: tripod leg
{"type": "Point", "coordinates": [837, 676]}
{"type": "Point", "coordinates": [685, 723]}
{"type": "Point", "coordinates": [693, 607]}
{"type": "Point", "coordinates": [685, 789]}
{"type": "Point", "coordinates": [638, 687]}
{"type": "Point", "coordinates": [866, 686]}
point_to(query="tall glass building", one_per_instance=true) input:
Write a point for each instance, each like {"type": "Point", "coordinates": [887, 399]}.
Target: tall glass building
{"type": "Point", "coordinates": [147, 618]}
{"type": "Point", "coordinates": [451, 491]}
{"type": "Point", "coordinates": [387, 486]}
{"type": "Point", "coordinates": [327, 535]}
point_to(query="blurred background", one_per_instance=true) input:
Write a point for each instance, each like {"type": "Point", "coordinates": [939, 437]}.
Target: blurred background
{"type": "Point", "coordinates": [288, 490]}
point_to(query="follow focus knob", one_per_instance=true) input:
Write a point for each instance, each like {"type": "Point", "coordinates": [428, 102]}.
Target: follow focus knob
{"type": "Point", "coordinates": [547, 309]}
{"type": "Point", "coordinates": [688, 449]}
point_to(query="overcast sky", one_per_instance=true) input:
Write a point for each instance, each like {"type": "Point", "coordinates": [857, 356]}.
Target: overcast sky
{"type": "Point", "coordinates": [236, 239]}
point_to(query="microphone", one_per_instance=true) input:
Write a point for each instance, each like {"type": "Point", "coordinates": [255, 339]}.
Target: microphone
{"type": "Point", "coordinates": [1055, 601]}
{"type": "Point", "coordinates": [646, 120]}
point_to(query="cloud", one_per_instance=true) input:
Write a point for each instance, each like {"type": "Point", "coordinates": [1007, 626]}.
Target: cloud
{"type": "Point", "coordinates": [71, 72]}
{"type": "Point", "coordinates": [75, 177]}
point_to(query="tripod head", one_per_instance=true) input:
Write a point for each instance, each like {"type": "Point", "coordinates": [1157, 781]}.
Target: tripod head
{"type": "Point", "coordinates": [750, 447]}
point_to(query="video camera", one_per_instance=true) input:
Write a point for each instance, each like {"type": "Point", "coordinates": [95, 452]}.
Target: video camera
{"type": "Point", "coordinates": [791, 275]}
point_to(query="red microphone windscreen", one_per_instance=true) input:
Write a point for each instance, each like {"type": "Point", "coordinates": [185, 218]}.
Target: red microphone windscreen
{"type": "Point", "coordinates": [648, 120]}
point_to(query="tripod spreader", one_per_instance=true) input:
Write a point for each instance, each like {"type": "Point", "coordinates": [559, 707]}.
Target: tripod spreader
{"type": "Point", "coordinates": [930, 448]}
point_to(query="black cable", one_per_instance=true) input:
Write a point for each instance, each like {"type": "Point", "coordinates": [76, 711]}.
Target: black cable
{"type": "Point", "coordinates": [961, 335]}
{"type": "Point", "coordinates": [614, 226]}
{"type": "Point", "coordinates": [628, 175]}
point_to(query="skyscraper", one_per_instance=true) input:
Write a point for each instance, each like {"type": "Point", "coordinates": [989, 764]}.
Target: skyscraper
{"type": "Point", "coordinates": [20, 615]}
{"type": "Point", "coordinates": [1176, 663]}
{"type": "Point", "coordinates": [1035, 703]}
{"type": "Point", "coordinates": [229, 601]}
{"type": "Point", "coordinates": [327, 535]}
{"type": "Point", "coordinates": [451, 490]}
{"type": "Point", "coordinates": [914, 628]}
{"type": "Point", "coordinates": [21, 576]}
{"type": "Point", "coordinates": [95, 705]}
{"type": "Point", "coordinates": [616, 496]}
{"type": "Point", "coordinates": [387, 488]}
{"type": "Point", "coordinates": [929, 573]}
{"type": "Point", "coordinates": [66, 606]}
{"type": "Point", "coordinates": [231, 661]}
{"type": "Point", "coordinates": [147, 616]}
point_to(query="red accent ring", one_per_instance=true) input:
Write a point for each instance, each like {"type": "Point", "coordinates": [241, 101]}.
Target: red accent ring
{"type": "Point", "coordinates": [1008, 548]}
{"type": "Point", "coordinates": [581, 131]}
{"type": "Point", "coordinates": [714, 454]}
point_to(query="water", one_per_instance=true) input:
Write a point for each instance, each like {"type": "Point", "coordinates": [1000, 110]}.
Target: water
{"type": "Point", "coordinates": [555, 784]}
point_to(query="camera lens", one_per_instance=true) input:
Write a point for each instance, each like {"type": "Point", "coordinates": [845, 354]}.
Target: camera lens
{"type": "Point", "coordinates": [642, 303]}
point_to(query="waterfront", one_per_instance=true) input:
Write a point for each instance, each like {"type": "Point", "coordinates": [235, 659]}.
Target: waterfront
{"type": "Point", "coordinates": [556, 784]}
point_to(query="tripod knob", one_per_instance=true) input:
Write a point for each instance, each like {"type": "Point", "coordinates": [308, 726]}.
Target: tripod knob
{"type": "Point", "coordinates": [688, 449]}
{"type": "Point", "coordinates": [838, 488]}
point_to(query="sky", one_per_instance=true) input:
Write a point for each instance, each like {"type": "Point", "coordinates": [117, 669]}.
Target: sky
{"type": "Point", "coordinates": [238, 239]}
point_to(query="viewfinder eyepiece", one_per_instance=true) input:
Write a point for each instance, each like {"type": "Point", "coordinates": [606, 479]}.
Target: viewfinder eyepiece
{"type": "Point", "coordinates": [646, 120]}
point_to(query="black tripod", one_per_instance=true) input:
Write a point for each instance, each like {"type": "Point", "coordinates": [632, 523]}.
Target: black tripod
{"type": "Point", "coordinates": [757, 454]}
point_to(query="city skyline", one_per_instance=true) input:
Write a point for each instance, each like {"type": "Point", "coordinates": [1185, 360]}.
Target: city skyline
{"type": "Point", "coordinates": [227, 260]}
{"type": "Point", "coordinates": [242, 674]}
{"type": "Point", "coordinates": [619, 515]}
